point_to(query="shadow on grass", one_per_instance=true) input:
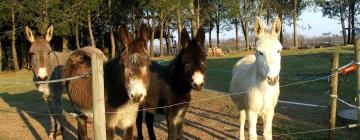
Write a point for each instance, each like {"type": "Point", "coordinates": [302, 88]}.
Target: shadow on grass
{"type": "Point", "coordinates": [32, 104]}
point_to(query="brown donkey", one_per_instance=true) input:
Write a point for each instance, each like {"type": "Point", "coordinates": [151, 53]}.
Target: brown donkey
{"type": "Point", "coordinates": [126, 81]}
{"type": "Point", "coordinates": [46, 65]}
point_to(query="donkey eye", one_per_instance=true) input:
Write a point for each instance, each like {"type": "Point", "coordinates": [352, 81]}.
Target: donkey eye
{"type": "Point", "coordinates": [261, 53]}
{"type": "Point", "coordinates": [278, 51]}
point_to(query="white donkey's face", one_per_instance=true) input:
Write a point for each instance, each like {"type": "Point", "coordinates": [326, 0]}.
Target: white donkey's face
{"type": "Point", "coordinates": [268, 47]}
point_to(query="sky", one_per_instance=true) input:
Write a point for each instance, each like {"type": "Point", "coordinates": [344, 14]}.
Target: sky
{"type": "Point", "coordinates": [318, 25]}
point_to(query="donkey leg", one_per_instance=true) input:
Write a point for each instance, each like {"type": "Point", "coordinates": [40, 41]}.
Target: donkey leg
{"type": "Point", "coordinates": [242, 124]}
{"type": "Point", "coordinates": [110, 132]}
{"type": "Point", "coordinates": [171, 127]}
{"type": "Point", "coordinates": [149, 118]}
{"type": "Point", "coordinates": [252, 124]}
{"type": "Point", "coordinates": [58, 110]}
{"type": "Point", "coordinates": [48, 100]}
{"type": "Point", "coordinates": [82, 127]}
{"type": "Point", "coordinates": [139, 120]}
{"type": "Point", "coordinates": [267, 119]}
{"type": "Point", "coordinates": [180, 123]}
{"type": "Point", "coordinates": [129, 133]}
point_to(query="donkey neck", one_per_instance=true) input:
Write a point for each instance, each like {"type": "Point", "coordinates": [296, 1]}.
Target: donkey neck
{"type": "Point", "coordinates": [176, 72]}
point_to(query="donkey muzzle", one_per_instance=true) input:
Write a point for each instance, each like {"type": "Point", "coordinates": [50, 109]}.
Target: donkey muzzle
{"type": "Point", "coordinates": [272, 80]}
{"type": "Point", "coordinates": [136, 97]}
{"type": "Point", "coordinates": [197, 87]}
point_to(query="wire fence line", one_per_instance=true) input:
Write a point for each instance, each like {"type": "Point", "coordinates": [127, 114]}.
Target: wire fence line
{"type": "Point", "coordinates": [224, 94]}
{"type": "Point", "coordinates": [319, 130]}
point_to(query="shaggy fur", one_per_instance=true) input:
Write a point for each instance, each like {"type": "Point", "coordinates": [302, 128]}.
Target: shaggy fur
{"type": "Point", "coordinates": [256, 78]}
{"type": "Point", "coordinates": [121, 105]}
{"type": "Point", "coordinates": [172, 84]}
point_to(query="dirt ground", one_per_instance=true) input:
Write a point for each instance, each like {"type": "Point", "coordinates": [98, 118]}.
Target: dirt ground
{"type": "Point", "coordinates": [212, 119]}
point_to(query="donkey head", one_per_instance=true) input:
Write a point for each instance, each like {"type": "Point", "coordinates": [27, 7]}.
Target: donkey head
{"type": "Point", "coordinates": [194, 58]}
{"type": "Point", "coordinates": [268, 49]}
{"type": "Point", "coordinates": [40, 52]}
{"type": "Point", "coordinates": [136, 61]}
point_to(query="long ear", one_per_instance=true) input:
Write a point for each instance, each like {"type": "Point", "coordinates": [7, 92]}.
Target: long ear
{"type": "Point", "coordinates": [276, 27]}
{"type": "Point", "coordinates": [144, 34]}
{"type": "Point", "coordinates": [49, 33]}
{"type": "Point", "coordinates": [185, 39]}
{"type": "Point", "coordinates": [125, 38]}
{"type": "Point", "coordinates": [29, 34]}
{"type": "Point", "coordinates": [200, 36]}
{"type": "Point", "coordinates": [259, 28]}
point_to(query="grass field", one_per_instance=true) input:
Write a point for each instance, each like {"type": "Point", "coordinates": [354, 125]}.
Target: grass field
{"type": "Point", "coordinates": [297, 65]}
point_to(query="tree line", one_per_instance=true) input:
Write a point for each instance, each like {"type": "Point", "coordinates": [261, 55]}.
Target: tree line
{"type": "Point", "coordinates": [80, 23]}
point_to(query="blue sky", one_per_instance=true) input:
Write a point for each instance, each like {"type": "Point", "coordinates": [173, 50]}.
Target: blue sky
{"type": "Point", "coordinates": [315, 20]}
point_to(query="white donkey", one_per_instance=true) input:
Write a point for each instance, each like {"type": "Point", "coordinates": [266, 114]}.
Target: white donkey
{"type": "Point", "coordinates": [256, 76]}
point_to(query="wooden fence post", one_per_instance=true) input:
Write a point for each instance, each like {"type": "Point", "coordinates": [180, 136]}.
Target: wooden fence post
{"type": "Point", "coordinates": [98, 97]}
{"type": "Point", "coordinates": [357, 55]}
{"type": "Point", "coordinates": [334, 87]}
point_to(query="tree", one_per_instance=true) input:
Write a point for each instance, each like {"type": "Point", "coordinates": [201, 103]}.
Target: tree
{"type": "Point", "coordinates": [233, 14]}
{"type": "Point", "coordinates": [13, 36]}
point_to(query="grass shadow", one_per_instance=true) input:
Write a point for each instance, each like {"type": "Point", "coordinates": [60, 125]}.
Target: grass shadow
{"type": "Point", "coordinates": [32, 104]}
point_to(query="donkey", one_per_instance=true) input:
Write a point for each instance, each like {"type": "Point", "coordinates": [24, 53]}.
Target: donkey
{"type": "Point", "coordinates": [172, 84]}
{"type": "Point", "coordinates": [126, 80]}
{"type": "Point", "coordinates": [47, 65]}
{"type": "Point", "coordinates": [257, 76]}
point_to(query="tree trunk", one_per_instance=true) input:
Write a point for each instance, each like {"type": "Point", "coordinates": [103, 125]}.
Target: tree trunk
{"type": "Point", "coordinates": [161, 33]}
{"type": "Point", "coordinates": [352, 14]}
{"type": "Point", "coordinates": [237, 34]}
{"type": "Point", "coordinates": [193, 18]}
{"type": "Point", "coordinates": [217, 26]}
{"type": "Point", "coordinates": [151, 52]}
{"type": "Point", "coordinates": [295, 24]}
{"type": "Point", "coordinates": [65, 44]}
{"type": "Point", "coordinates": [342, 20]}
{"type": "Point", "coordinates": [246, 25]}
{"type": "Point", "coordinates": [92, 40]}
{"type": "Point", "coordinates": [167, 40]}
{"type": "Point", "coordinates": [133, 22]}
{"type": "Point", "coordinates": [77, 36]}
{"type": "Point", "coordinates": [113, 49]}
{"type": "Point", "coordinates": [179, 27]}
{"type": "Point", "coordinates": [1, 57]}
{"type": "Point", "coordinates": [260, 8]}
{"type": "Point", "coordinates": [210, 42]}
{"type": "Point", "coordinates": [13, 41]}
{"type": "Point", "coordinates": [349, 27]}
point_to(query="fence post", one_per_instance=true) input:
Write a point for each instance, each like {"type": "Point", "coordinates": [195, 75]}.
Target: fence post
{"type": "Point", "coordinates": [334, 87]}
{"type": "Point", "coordinates": [357, 55]}
{"type": "Point", "coordinates": [98, 96]}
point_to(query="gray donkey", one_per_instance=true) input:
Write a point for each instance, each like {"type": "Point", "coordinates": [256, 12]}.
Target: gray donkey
{"type": "Point", "coordinates": [47, 65]}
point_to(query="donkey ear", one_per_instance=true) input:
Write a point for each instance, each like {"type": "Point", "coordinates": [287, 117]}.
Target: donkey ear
{"type": "Point", "coordinates": [144, 34]}
{"type": "Point", "coordinates": [185, 39]}
{"type": "Point", "coordinates": [49, 33]}
{"type": "Point", "coordinates": [125, 38]}
{"type": "Point", "coordinates": [259, 28]}
{"type": "Point", "coordinates": [200, 36]}
{"type": "Point", "coordinates": [276, 27]}
{"type": "Point", "coordinates": [29, 34]}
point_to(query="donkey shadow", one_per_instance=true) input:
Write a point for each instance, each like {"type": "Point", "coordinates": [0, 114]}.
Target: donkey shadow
{"type": "Point", "coordinates": [30, 102]}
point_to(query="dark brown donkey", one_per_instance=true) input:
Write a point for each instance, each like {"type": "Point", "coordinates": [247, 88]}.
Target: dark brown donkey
{"type": "Point", "coordinates": [172, 85]}
{"type": "Point", "coordinates": [126, 81]}
{"type": "Point", "coordinates": [46, 65]}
